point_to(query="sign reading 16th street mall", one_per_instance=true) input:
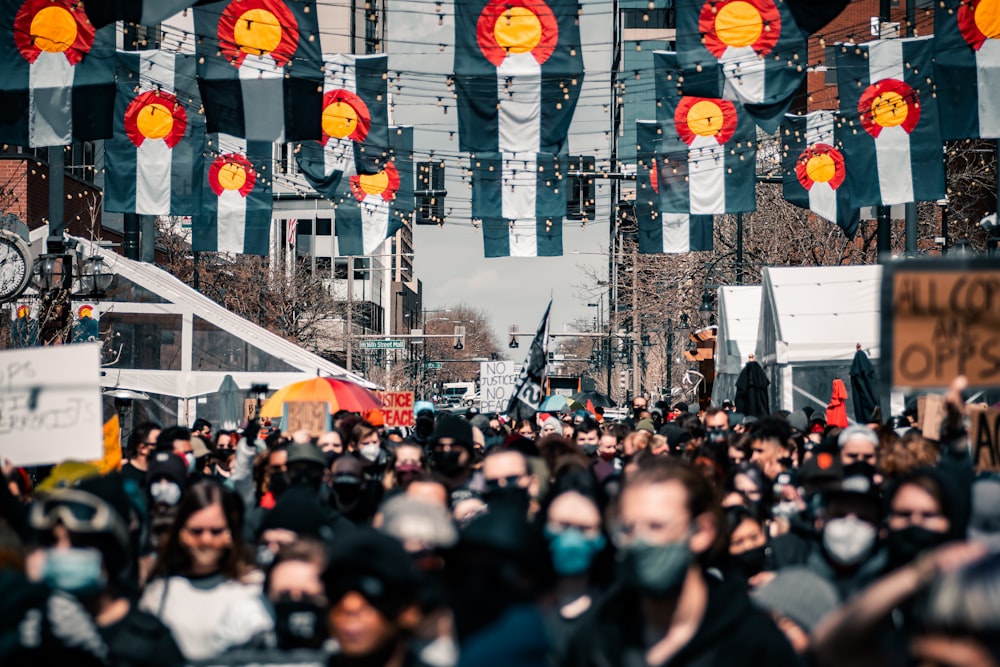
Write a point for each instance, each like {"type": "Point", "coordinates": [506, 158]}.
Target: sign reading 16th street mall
{"type": "Point", "coordinates": [382, 344]}
{"type": "Point", "coordinates": [941, 318]}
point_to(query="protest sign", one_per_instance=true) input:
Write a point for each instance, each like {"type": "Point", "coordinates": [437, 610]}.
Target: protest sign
{"type": "Point", "coordinates": [312, 416]}
{"type": "Point", "coordinates": [984, 437]}
{"type": "Point", "coordinates": [50, 404]}
{"type": "Point", "coordinates": [940, 319]}
{"type": "Point", "coordinates": [497, 380]}
{"type": "Point", "coordinates": [397, 406]}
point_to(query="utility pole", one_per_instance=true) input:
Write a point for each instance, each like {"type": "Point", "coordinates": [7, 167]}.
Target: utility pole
{"type": "Point", "coordinates": [670, 361]}
{"type": "Point", "coordinates": [884, 230]}
{"type": "Point", "coordinates": [350, 311]}
{"type": "Point", "coordinates": [636, 323]}
{"type": "Point", "coordinates": [911, 207]}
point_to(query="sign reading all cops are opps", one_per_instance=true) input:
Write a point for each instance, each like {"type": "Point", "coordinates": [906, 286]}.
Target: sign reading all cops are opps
{"type": "Point", "coordinates": [50, 404]}
{"type": "Point", "coordinates": [945, 321]}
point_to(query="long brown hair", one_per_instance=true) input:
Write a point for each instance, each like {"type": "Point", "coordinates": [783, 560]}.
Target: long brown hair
{"type": "Point", "coordinates": [174, 558]}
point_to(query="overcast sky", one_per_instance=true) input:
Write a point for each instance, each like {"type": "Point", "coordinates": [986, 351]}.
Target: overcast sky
{"type": "Point", "coordinates": [449, 260]}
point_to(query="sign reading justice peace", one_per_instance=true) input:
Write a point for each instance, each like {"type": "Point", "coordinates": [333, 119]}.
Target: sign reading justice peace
{"type": "Point", "coordinates": [940, 319]}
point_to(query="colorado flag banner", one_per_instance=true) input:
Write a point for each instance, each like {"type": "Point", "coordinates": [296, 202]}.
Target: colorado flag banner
{"type": "Point", "coordinates": [662, 232]}
{"type": "Point", "coordinates": [235, 214]}
{"type": "Point", "coordinates": [249, 86]}
{"type": "Point", "coordinates": [967, 67]}
{"type": "Point", "coordinates": [815, 173]}
{"type": "Point", "coordinates": [757, 44]}
{"type": "Point", "coordinates": [144, 12]}
{"type": "Point", "coordinates": [517, 185]}
{"type": "Point", "coordinates": [154, 161]}
{"type": "Point", "coordinates": [378, 204]}
{"type": "Point", "coordinates": [355, 123]}
{"type": "Point", "coordinates": [890, 117]}
{"type": "Point", "coordinates": [518, 74]}
{"type": "Point", "coordinates": [708, 155]}
{"type": "Point", "coordinates": [57, 81]}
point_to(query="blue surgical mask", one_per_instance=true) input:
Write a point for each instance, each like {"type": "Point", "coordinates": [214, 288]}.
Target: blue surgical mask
{"type": "Point", "coordinates": [572, 551]}
{"type": "Point", "coordinates": [76, 571]}
{"type": "Point", "coordinates": [657, 570]}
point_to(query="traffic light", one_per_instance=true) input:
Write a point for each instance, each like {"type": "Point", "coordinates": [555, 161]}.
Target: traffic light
{"type": "Point", "coordinates": [430, 193]}
{"type": "Point", "coordinates": [581, 198]}
{"type": "Point", "coordinates": [459, 337]}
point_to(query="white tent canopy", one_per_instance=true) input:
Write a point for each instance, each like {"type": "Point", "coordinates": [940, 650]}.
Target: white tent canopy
{"type": "Point", "coordinates": [739, 311]}
{"type": "Point", "coordinates": [811, 321]}
{"type": "Point", "coordinates": [176, 344]}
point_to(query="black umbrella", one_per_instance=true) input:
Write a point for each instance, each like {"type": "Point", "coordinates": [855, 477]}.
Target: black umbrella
{"type": "Point", "coordinates": [751, 390]}
{"type": "Point", "coordinates": [863, 383]}
{"type": "Point", "coordinates": [230, 404]}
{"type": "Point", "coordinates": [596, 398]}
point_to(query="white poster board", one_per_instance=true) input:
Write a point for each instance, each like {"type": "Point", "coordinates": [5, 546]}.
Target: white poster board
{"type": "Point", "coordinates": [497, 380]}
{"type": "Point", "coordinates": [50, 404]}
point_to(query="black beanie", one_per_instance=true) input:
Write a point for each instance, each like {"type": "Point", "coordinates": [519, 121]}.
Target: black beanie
{"type": "Point", "coordinates": [456, 428]}
{"type": "Point", "coordinates": [299, 511]}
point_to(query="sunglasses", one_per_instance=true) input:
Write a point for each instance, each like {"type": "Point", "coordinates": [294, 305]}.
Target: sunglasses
{"type": "Point", "coordinates": [79, 511]}
{"type": "Point", "coordinates": [372, 589]}
{"type": "Point", "coordinates": [214, 532]}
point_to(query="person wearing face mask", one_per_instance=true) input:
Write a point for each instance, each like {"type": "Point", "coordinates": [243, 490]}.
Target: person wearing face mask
{"type": "Point", "coordinates": [927, 508]}
{"type": "Point", "coordinates": [350, 493]}
{"type": "Point", "coordinates": [366, 443]}
{"type": "Point", "coordinates": [451, 452]}
{"type": "Point", "coordinates": [669, 608]}
{"type": "Point", "coordinates": [177, 439]}
{"type": "Point", "coordinates": [166, 480]}
{"type": "Point", "coordinates": [406, 463]}
{"type": "Point", "coordinates": [507, 478]}
{"type": "Point", "coordinates": [587, 435]}
{"type": "Point", "coordinates": [199, 580]}
{"type": "Point", "coordinates": [747, 545]}
{"type": "Point", "coordinates": [298, 514]}
{"type": "Point", "coordinates": [574, 532]}
{"type": "Point", "coordinates": [608, 460]}
{"type": "Point", "coordinates": [87, 553]}
{"type": "Point", "coordinates": [848, 552]}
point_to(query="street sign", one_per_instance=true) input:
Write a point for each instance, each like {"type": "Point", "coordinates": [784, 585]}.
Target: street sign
{"type": "Point", "coordinates": [382, 344]}
{"type": "Point", "coordinates": [434, 365]}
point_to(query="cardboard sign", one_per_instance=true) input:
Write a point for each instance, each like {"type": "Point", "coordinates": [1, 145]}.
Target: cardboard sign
{"type": "Point", "coordinates": [497, 381]}
{"type": "Point", "coordinates": [50, 404]}
{"type": "Point", "coordinates": [249, 410]}
{"type": "Point", "coordinates": [312, 416]}
{"type": "Point", "coordinates": [397, 406]}
{"type": "Point", "coordinates": [941, 318]}
{"type": "Point", "coordinates": [931, 412]}
{"type": "Point", "coordinates": [984, 437]}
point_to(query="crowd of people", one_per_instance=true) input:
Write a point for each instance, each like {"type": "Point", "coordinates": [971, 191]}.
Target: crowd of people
{"type": "Point", "coordinates": [675, 536]}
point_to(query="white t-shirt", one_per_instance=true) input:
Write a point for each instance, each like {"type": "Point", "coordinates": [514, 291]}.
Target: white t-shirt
{"type": "Point", "coordinates": [207, 616]}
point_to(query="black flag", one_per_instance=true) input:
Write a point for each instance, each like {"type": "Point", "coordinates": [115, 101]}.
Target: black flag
{"type": "Point", "coordinates": [528, 393]}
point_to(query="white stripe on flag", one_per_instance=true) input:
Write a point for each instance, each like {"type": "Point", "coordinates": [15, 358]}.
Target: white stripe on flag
{"type": "Point", "coordinates": [338, 154]}
{"type": "Point", "coordinates": [892, 146]}
{"type": "Point", "coordinates": [232, 221]}
{"type": "Point", "coordinates": [676, 232]}
{"type": "Point", "coordinates": [523, 237]}
{"type": "Point", "coordinates": [819, 128]}
{"type": "Point", "coordinates": [152, 177]}
{"type": "Point", "coordinates": [519, 90]}
{"type": "Point", "coordinates": [374, 222]}
{"type": "Point", "coordinates": [745, 74]}
{"type": "Point", "coordinates": [707, 176]}
{"type": "Point", "coordinates": [823, 201]}
{"type": "Point", "coordinates": [518, 181]}
{"type": "Point", "coordinates": [50, 106]}
{"type": "Point", "coordinates": [262, 87]}
{"type": "Point", "coordinates": [988, 73]}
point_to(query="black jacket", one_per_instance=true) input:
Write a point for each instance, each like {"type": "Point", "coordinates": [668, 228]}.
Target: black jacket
{"type": "Point", "coordinates": [731, 632]}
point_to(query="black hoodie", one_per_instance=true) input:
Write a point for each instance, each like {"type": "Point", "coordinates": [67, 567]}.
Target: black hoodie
{"type": "Point", "coordinates": [732, 631]}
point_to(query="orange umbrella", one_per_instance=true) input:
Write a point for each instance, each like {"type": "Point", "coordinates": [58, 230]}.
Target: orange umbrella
{"type": "Point", "coordinates": [340, 394]}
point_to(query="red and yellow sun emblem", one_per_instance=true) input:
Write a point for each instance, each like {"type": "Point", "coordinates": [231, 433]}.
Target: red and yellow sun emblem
{"type": "Point", "coordinates": [232, 171]}
{"type": "Point", "coordinates": [889, 103]}
{"type": "Point", "coordinates": [23, 311]}
{"type": "Point", "coordinates": [517, 26]}
{"type": "Point", "coordinates": [259, 28]}
{"type": "Point", "coordinates": [155, 115]}
{"type": "Point", "coordinates": [738, 24]}
{"type": "Point", "coordinates": [705, 117]}
{"type": "Point", "coordinates": [384, 184]}
{"type": "Point", "coordinates": [86, 310]}
{"type": "Point", "coordinates": [54, 26]}
{"type": "Point", "coordinates": [979, 20]}
{"type": "Point", "coordinates": [345, 116]}
{"type": "Point", "coordinates": [820, 163]}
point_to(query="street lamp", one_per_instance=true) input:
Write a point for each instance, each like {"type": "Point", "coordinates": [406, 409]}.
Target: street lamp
{"type": "Point", "coordinates": [94, 278]}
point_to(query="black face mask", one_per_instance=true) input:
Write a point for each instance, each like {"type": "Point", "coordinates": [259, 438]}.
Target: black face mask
{"type": "Point", "coordinates": [589, 450]}
{"type": "Point", "coordinates": [513, 496]}
{"type": "Point", "coordinates": [447, 462]}
{"type": "Point", "coordinates": [298, 624]}
{"type": "Point", "coordinates": [750, 562]}
{"type": "Point", "coordinates": [346, 492]}
{"type": "Point", "coordinates": [277, 483]}
{"type": "Point", "coordinates": [908, 543]}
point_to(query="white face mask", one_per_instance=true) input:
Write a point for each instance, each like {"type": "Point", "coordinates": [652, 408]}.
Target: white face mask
{"type": "Point", "coordinates": [848, 540]}
{"type": "Point", "coordinates": [369, 452]}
